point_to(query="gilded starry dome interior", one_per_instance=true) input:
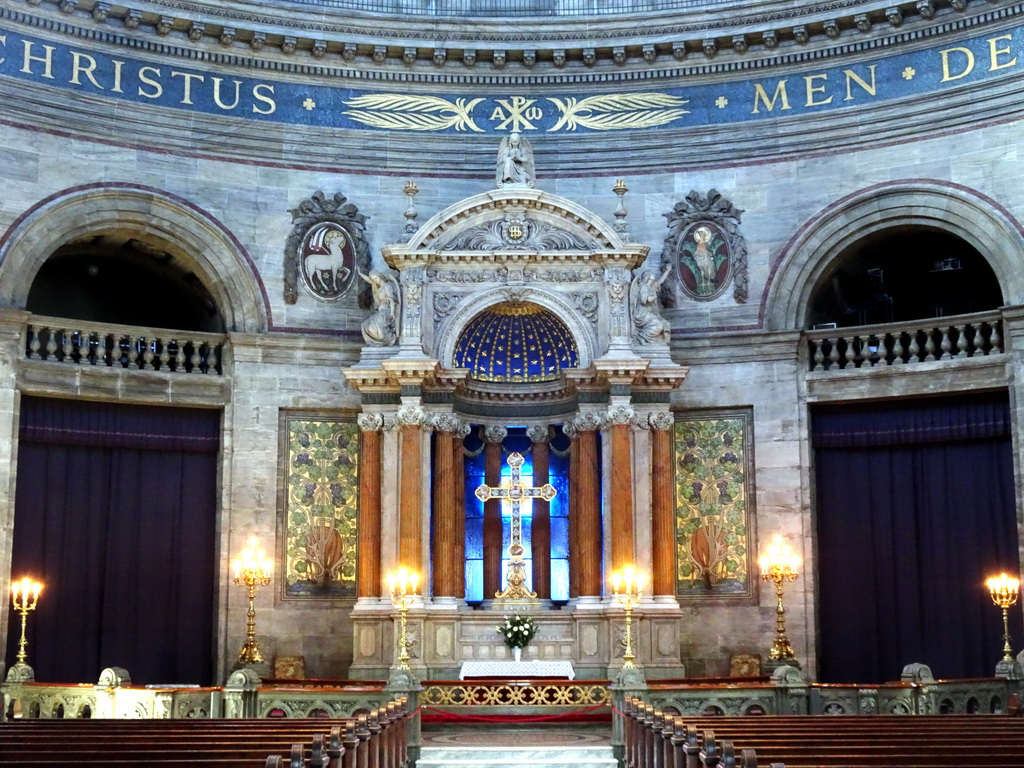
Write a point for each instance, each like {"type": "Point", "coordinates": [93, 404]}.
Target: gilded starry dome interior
{"type": "Point", "coordinates": [516, 342]}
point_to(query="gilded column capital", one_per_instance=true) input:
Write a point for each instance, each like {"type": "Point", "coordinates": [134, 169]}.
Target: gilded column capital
{"type": "Point", "coordinates": [538, 433]}
{"type": "Point", "coordinates": [370, 422]}
{"type": "Point", "coordinates": [495, 433]}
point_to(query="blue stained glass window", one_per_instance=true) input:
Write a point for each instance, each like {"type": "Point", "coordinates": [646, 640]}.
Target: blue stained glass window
{"type": "Point", "coordinates": [558, 476]}
{"type": "Point", "coordinates": [474, 469]}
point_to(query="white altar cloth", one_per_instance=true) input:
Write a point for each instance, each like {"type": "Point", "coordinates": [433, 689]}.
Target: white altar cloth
{"type": "Point", "coordinates": [535, 668]}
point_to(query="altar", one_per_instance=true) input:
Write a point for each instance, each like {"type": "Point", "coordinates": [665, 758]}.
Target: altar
{"type": "Point", "coordinates": [517, 669]}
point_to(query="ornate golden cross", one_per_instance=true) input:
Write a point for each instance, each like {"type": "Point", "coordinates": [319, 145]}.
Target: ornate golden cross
{"type": "Point", "coordinates": [513, 492]}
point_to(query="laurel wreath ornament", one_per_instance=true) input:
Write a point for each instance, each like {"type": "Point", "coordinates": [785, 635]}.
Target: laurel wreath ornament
{"type": "Point", "coordinates": [618, 111]}
{"type": "Point", "coordinates": [413, 113]}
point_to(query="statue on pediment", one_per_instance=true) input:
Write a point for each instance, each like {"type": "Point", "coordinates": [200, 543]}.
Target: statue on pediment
{"type": "Point", "coordinates": [381, 328]}
{"type": "Point", "coordinates": [515, 162]}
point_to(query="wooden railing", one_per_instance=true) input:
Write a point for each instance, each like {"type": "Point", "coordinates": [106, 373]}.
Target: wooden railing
{"type": "Point", "coordinates": [118, 346]}
{"type": "Point", "coordinates": [875, 346]}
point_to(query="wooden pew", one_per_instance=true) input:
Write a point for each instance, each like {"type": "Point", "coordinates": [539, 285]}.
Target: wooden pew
{"type": "Point", "coordinates": [374, 740]}
{"type": "Point", "coordinates": [655, 739]}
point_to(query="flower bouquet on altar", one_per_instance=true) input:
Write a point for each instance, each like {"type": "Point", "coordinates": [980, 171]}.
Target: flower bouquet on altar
{"type": "Point", "coordinates": [518, 632]}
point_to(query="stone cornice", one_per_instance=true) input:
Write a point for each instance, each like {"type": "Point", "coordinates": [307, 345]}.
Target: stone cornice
{"type": "Point", "coordinates": [304, 44]}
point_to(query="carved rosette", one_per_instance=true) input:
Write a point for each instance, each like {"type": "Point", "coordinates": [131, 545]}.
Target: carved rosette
{"type": "Point", "coordinates": [705, 247]}
{"type": "Point", "coordinates": [326, 246]}
{"type": "Point", "coordinates": [370, 422]}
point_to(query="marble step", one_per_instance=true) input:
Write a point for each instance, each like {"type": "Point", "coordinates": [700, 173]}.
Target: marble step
{"type": "Point", "coordinates": [505, 757]}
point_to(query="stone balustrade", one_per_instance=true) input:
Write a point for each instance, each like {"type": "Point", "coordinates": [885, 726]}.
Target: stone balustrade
{"type": "Point", "coordinates": [874, 346]}
{"type": "Point", "coordinates": [83, 343]}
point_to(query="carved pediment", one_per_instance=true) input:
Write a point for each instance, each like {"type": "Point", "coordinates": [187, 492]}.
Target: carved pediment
{"type": "Point", "coordinates": [518, 231]}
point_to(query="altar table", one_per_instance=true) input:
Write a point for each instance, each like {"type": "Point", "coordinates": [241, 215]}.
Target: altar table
{"type": "Point", "coordinates": [535, 668]}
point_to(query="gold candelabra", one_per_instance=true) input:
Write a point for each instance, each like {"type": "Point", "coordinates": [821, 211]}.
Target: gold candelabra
{"type": "Point", "coordinates": [1004, 591]}
{"type": "Point", "coordinates": [252, 570]}
{"type": "Point", "coordinates": [779, 565]}
{"type": "Point", "coordinates": [627, 587]}
{"type": "Point", "coordinates": [402, 584]}
{"type": "Point", "coordinates": [25, 594]}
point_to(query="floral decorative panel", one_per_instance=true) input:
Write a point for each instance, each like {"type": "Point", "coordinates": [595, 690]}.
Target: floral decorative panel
{"type": "Point", "coordinates": [321, 508]}
{"type": "Point", "coordinates": [714, 515]}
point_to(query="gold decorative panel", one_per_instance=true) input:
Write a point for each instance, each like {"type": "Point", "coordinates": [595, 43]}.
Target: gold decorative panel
{"type": "Point", "coordinates": [714, 508]}
{"type": "Point", "coordinates": [321, 526]}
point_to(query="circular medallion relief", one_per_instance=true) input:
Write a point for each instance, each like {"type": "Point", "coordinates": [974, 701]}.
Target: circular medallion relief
{"type": "Point", "coordinates": [327, 261]}
{"type": "Point", "coordinates": [705, 261]}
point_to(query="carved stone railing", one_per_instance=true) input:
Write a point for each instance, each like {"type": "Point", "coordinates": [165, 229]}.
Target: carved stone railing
{"type": "Point", "coordinates": [578, 694]}
{"type": "Point", "coordinates": [81, 343]}
{"type": "Point", "coordinates": [789, 694]}
{"type": "Point", "coordinates": [873, 346]}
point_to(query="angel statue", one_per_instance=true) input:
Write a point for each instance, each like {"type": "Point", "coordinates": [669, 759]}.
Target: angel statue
{"type": "Point", "coordinates": [381, 328]}
{"type": "Point", "coordinates": [651, 327]}
{"type": "Point", "coordinates": [515, 161]}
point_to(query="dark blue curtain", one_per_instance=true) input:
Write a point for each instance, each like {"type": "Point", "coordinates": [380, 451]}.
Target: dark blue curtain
{"type": "Point", "coordinates": [115, 510]}
{"type": "Point", "coordinates": [915, 508]}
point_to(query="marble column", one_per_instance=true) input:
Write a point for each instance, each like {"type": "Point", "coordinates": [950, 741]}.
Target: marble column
{"type": "Point", "coordinates": [410, 502]}
{"type": "Point", "coordinates": [448, 544]}
{"type": "Point", "coordinates": [588, 503]}
{"type": "Point", "coordinates": [540, 526]}
{"type": "Point", "coordinates": [459, 492]}
{"type": "Point", "coordinates": [569, 427]}
{"type": "Point", "coordinates": [621, 419]}
{"type": "Point", "coordinates": [662, 504]}
{"type": "Point", "coordinates": [492, 511]}
{"type": "Point", "coordinates": [368, 580]}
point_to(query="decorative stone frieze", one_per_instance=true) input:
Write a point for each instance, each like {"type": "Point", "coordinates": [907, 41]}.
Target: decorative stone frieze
{"type": "Point", "coordinates": [348, 52]}
{"type": "Point", "coordinates": [589, 57]}
{"type": "Point", "coordinates": [926, 8]}
{"type": "Point", "coordinates": [894, 15]}
{"type": "Point", "coordinates": [679, 51]}
{"type": "Point", "coordinates": [771, 39]}
{"type": "Point", "coordinates": [288, 45]}
{"type": "Point", "coordinates": [227, 36]}
{"type": "Point", "coordinates": [619, 55]}
{"type": "Point", "coordinates": [195, 32]}
{"type": "Point", "coordinates": [257, 41]}
{"type": "Point", "coordinates": [832, 29]}
{"type": "Point", "coordinates": [650, 53]}
{"type": "Point", "coordinates": [100, 11]}
{"type": "Point", "coordinates": [558, 58]}
{"type": "Point", "coordinates": [440, 56]}
{"type": "Point", "coordinates": [380, 53]}
{"type": "Point", "coordinates": [67, 6]}
{"type": "Point", "coordinates": [529, 58]}
{"type": "Point", "coordinates": [863, 22]}
{"type": "Point", "coordinates": [409, 57]}
{"type": "Point", "coordinates": [801, 35]}
{"type": "Point", "coordinates": [498, 59]}
{"type": "Point", "coordinates": [319, 49]}
{"type": "Point", "coordinates": [132, 19]}
{"type": "Point", "coordinates": [469, 58]}
{"type": "Point", "coordinates": [739, 43]}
